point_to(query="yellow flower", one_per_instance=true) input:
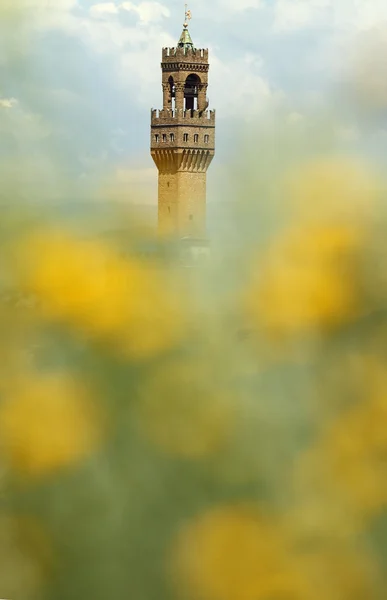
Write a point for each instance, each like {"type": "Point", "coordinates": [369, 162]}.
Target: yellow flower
{"type": "Point", "coordinates": [25, 557]}
{"type": "Point", "coordinates": [47, 423]}
{"type": "Point", "coordinates": [73, 279]}
{"type": "Point", "coordinates": [346, 467]}
{"type": "Point", "coordinates": [128, 302]}
{"type": "Point", "coordinates": [234, 553]}
{"type": "Point", "coordinates": [356, 452]}
{"type": "Point", "coordinates": [185, 410]}
{"type": "Point", "coordinates": [306, 281]}
{"type": "Point", "coordinates": [331, 189]}
{"type": "Point", "coordinates": [157, 312]}
{"type": "Point", "coordinates": [340, 570]}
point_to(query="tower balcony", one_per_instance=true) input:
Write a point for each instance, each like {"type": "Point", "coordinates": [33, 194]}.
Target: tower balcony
{"type": "Point", "coordinates": [188, 117]}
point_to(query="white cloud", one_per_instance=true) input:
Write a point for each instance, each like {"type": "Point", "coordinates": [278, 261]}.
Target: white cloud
{"type": "Point", "coordinates": [241, 5]}
{"type": "Point", "coordinates": [296, 14]}
{"type": "Point", "coordinates": [347, 15]}
{"type": "Point", "coordinates": [366, 68]}
{"type": "Point", "coordinates": [224, 10]}
{"type": "Point", "coordinates": [19, 5]}
{"type": "Point", "coordinates": [358, 14]}
{"type": "Point", "coordinates": [251, 92]}
{"type": "Point", "coordinates": [8, 102]}
{"type": "Point", "coordinates": [349, 133]}
{"type": "Point", "coordinates": [148, 12]}
{"type": "Point", "coordinates": [135, 185]}
{"type": "Point", "coordinates": [104, 8]}
{"type": "Point", "coordinates": [24, 126]}
{"type": "Point", "coordinates": [295, 117]}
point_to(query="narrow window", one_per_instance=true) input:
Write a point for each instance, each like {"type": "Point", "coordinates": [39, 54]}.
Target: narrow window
{"type": "Point", "coordinates": [157, 138]}
{"type": "Point", "coordinates": [169, 209]}
{"type": "Point", "coordinates": [196, 138]}
{"type": "Point", "coordinates": [168, 183]}
{"type": "Point", "coordinates": [172, 137]}
{"type": "Point", "coordinates": [164, 137]}
{"type": "Point", "coordinates": [186, 137]}
{"type": "Point", "coordinates": [191, 217]}
{"type": "Point", "coordinates": [206, 139]}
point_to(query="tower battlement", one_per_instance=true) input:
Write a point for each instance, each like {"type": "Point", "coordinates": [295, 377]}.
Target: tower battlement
{"type": "Point", "coordinates": [197, 55]}
{"type": "Point", "coordinates": [179, 115]}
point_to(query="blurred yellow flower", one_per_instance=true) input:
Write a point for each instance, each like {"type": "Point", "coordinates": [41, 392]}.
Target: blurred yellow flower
{"type": "Point", "coordinates": [25, 557]}
{"type": "Point", "coordinates": [306, 281]}
{"type": "Point", "coordinates": [347, 464]}
{"type": "Point", "coordinates": [332, 188]}
{"type": "Point", "coordinates": [340, 571]}
{"type": "Point", "coordinates": [77, 280]}
{"type": "Point", "coordinates": [235, 553]}
{"type": "Point", "coordinates": [185, 409]}
{"type": "Point", "coordinates": [157, 312]}
{"type": "Point", "coordinates": [356, 451]}
{"type": "Point", "coordinates": [85, 283]}
{"type": "Point", "coordinates": [46, 423]}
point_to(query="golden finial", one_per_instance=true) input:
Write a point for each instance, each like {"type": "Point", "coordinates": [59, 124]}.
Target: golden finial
{"type": "Point", "coordinates": [188, 16]}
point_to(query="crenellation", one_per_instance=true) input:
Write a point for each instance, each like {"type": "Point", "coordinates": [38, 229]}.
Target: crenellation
{"type": "Point", "coordinates": [161, 116]}
{"type": "Point", "coordinates": [197, 55]}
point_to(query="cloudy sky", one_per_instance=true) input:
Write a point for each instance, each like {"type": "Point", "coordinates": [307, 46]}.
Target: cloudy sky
{"type": "Point", "coordinates": [78, 78]}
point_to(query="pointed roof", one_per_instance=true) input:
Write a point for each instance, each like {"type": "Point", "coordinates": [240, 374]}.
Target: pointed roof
{"type": "Point", "coordinates": [185, 40]}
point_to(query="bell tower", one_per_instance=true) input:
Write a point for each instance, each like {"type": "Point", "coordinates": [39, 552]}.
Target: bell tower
{"type": "Point", "coordinates": [183, 139]}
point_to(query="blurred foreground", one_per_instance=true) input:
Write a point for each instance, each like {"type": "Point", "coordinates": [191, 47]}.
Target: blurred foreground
{"type": "Point", "coordinates": [209, 433]}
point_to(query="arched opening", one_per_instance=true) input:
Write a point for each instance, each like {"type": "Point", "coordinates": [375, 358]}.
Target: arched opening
{"type": "Point", "coordinates": [172, 92]}
{"type": "Point", "coordinates": [191, 92]}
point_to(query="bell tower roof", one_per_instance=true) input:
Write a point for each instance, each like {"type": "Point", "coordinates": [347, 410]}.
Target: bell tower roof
{"type": "Point", "coordinates": [185, 40]}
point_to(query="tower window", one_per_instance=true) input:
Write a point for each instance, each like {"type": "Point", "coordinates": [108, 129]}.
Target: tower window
{"type": "Point", "coordinates": [196, 138]}
{"type": "Point", "coordinates": [172, 137]}
{"type": "Point", "coordinates": [206, 139]}
{"type": "Point", "coordinates": [172, 93]}
{"type": "Point", "coordinates": [164, 137]}
{"type": "Point", "coordinates": [191, 91]}
{"type": "Point", "coordinates": [185, 138]}
{"type": "Point", "coordinates": [169, 209]}
{"type": "Point", "coordinates": [191, 217]}
{"type": "Point", "coordinates": [157, 138]}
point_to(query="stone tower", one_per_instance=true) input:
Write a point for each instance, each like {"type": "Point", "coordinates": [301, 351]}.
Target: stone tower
{"type": "Point", "coordinates": [183, 140]}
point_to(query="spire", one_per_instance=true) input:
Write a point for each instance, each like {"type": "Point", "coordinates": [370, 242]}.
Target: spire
{"type": "Point", "coordinates": [185, 40]}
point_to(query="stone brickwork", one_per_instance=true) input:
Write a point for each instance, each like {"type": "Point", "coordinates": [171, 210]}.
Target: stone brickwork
{"type": "Point", "coordinates": [183, 142]}
{"type": "Point", "coordinates": [182, 131]}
